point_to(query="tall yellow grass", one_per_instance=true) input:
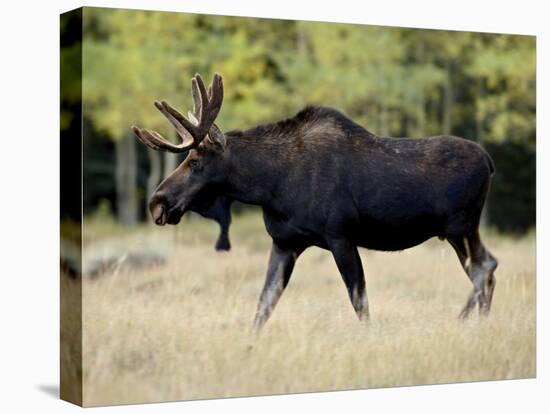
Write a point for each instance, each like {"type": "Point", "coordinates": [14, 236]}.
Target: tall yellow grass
{"type": "Point", "coordinates": [183, 330]}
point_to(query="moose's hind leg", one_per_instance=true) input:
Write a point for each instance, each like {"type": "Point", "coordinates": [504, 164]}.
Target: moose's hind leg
{"type": "Point", "coordinates": [479, 264]}
{"type": "Point", "coordinates": [490, 287]}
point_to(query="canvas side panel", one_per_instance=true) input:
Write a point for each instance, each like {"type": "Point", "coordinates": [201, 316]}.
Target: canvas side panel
{"type": "Point", "coordinates": [71, 207]}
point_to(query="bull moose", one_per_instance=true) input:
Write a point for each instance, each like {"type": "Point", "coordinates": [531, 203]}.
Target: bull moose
{"type": "Point", "coordinates": [323, 180]}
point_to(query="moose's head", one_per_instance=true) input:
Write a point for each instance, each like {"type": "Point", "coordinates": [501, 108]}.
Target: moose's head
{"type": "Point", "coordinates": [205, 144]}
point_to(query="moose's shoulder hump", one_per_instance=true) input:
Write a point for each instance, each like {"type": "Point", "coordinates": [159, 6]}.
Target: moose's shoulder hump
{"type": "Point", "coordinates": [312, 123]}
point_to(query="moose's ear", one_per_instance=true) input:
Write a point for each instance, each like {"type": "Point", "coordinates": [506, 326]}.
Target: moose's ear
{"type": "Point", "coordinates": [216, 138]}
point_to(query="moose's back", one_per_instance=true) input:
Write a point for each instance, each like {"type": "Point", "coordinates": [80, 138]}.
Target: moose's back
{"type": "Point", "coordinates": [334, 177]}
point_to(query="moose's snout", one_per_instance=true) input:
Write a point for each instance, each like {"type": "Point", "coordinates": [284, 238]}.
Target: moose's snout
{"type": "Point", "coordinates": [159, 215]}
{"type": "Point", "coordinates": [158, 209]}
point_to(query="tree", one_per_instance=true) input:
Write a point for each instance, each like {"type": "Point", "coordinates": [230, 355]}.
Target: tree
{"type": "Point", "coordinates": [125, 60]}
{"type": "Point", "coordinates": [394, 81]}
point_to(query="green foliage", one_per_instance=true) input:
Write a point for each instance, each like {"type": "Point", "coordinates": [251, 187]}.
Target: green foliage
{"type": "Point", "coordinates": [504, 70]}
{"type": "Point", "coordinates": [70, 67]}
{"type": "Point", "coordinates": [394, 81]}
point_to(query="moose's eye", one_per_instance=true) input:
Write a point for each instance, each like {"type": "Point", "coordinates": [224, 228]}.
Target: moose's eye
{"type": "Point", "coordinates": [194, 164]}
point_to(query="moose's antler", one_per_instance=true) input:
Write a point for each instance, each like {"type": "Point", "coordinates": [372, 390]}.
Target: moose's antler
{"type": "Point", "coordinates": [207, 107]}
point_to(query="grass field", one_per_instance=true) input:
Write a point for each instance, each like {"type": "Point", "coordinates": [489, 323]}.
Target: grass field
{"type": "Point", "coordinates": [182, 330]}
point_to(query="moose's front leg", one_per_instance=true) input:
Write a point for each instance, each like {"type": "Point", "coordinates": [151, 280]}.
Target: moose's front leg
{"type": "Point", "coordinates": [281, 264]}
{"type": "Point", "coordinates": [223, 243]}
{"type": "Point", "coordinates": [349, 264]}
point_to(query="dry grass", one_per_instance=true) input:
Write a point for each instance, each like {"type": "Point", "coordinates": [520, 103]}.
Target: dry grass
{"type": "Point", "coordinates": [183, 330]}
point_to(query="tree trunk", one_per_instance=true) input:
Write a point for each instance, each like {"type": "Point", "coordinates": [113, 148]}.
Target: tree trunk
{"type": "Point", "coordinates": [301, 46]}
{"type": "Point", "coordinates": [485, 218]}
{"type": "Point", "coordinates": [448, 101]}
{"type": "Point", "coordinates": [126, 180]}
{"type": "Point", "coordinates": [384, 127]}
{"type": "Point", "coordinates": [480, 117]}
{"type": "Point", "coordinates": [155, 176]}
{"type": "Point", "coordinates": [170, 163]}
{"type": "Point", "coordinates": [480, 138]}
{"type": "Point", "coordinates": [421, 116]}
